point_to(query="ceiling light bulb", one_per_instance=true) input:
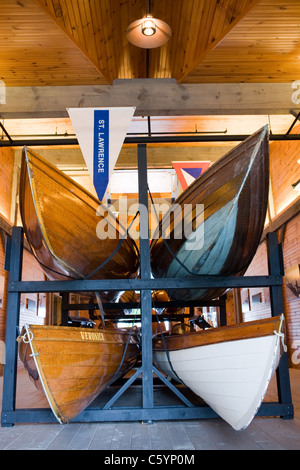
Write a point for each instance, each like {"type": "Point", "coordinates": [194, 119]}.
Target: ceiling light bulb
{"type": "Point", "coordinates": [148, 28]}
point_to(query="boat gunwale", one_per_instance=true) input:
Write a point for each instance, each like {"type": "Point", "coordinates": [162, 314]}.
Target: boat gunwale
{"type": "Point", "coordinates": [223, 334]}
{"type": "Point", "coordinates": [73, 330]}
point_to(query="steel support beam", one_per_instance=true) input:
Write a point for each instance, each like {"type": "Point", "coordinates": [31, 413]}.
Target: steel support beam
{"type": "Point", "coordinates": [12, 322]}
{"type": "Point", "coordinates": [153, 139]}
{"type": "Point", "coordinates": [145, 273]}
{"type": "Point", "coordinates": [275, 263]}
{"type": "Point", "coordinates": [144, 284]}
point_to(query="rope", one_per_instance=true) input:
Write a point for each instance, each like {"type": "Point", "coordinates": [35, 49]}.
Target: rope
{"type": "Point", "coordinates": [280, 334]}
{"type": "Point", "coordinates": [27, 334]}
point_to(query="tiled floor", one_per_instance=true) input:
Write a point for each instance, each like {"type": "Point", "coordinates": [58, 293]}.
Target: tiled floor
{"type": "Point", "coordinates": [193, 435]}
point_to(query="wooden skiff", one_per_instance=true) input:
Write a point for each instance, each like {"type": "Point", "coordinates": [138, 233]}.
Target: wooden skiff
{"type": "Point", "coordinates": [73, 365]}
{"type": "Point", "coordinates": [228, 367]}
{"type": "Point", "coordinates": [60, 220]}
{"type": "Point", "coordinates": [226, 232]}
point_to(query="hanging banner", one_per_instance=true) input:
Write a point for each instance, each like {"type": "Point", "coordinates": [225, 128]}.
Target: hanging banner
{"type": "Point", "coordinates": [101, 151]}
{"type": "Point", "coordinates": [101, 133]}
{"type": "Point", "coordinates": [187, 172]}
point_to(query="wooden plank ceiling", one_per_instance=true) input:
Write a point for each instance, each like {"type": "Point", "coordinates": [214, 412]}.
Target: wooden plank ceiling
{"type": "Point", "coordinates": [74, 42]}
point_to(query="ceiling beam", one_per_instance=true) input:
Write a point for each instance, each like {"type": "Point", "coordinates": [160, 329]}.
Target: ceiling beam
{"type": "Point", "coordinates": [152, 97]}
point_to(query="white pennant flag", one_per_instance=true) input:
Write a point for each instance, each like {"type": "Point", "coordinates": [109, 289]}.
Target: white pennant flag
{"type": "Point", "coordinates": [101, 133]}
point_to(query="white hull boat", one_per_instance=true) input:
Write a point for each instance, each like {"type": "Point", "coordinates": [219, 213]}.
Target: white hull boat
{"type": "Point", "coordinates": [228, 367]}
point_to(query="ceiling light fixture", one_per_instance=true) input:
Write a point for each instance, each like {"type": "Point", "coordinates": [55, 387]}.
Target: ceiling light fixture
{"type": "Point", "coordinates": [148, 32]}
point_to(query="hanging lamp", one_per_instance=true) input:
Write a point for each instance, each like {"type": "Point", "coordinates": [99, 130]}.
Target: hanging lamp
{"type": "Point", "coordinates": [148, 32]}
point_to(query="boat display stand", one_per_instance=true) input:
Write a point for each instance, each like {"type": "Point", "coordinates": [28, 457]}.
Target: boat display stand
{"type": "Point", "coordinates": [151, 402]}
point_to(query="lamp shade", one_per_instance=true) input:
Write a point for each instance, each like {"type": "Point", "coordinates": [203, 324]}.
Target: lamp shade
{"type": "Point", "coordinates": [148, 32]}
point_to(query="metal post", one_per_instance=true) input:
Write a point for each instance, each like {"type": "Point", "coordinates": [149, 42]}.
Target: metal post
{"type": "Point", "coordinates": [223, 318]}
{"type": "Point", "coordinates": [277, 307]}
{"type": "Point", "coordinates": [64, 308]}
{"type": "Point", "coordinates": [145, 272]}
{"type": "Point", "coordinates": [12, 323]}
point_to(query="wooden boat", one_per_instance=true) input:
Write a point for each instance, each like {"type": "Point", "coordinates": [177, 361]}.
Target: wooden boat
{"type": "Point", "coordinates": [60, 220]}
{"type": "Point", "coordinates": [73, 365]}
{"type": "Point", "coordinates": [228, 367]}
{"type": "Point", "coordinates": [226, 234]}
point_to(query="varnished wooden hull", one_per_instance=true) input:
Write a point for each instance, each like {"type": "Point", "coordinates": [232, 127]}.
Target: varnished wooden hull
{"type": "Point", "coordinates": [60, 221]}
{"type": "Point", "coordinates": [73, 365]}
{"type": "Point", "coordinates": [228, 367]}
{"type": "Point", "coordinates": [234, 195]}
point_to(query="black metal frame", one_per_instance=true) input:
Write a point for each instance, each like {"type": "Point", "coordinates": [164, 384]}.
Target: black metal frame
{"type": "Point", "coordinates": [153, 139]}
{"type": "Point", "coordinates": [147, 411]}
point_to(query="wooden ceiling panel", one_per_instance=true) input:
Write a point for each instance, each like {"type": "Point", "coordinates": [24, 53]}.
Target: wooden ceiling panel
{"type": "Point", "coordinates": [197, 27]}
{"type": "Point", "coordinates": [263, 47]}
{"type": "Point", "coordinates": [34, 51]}
{"type": "Point", "coordinates": [76, 42]}
{"type": "Point", "coordinates": [99, 30]}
